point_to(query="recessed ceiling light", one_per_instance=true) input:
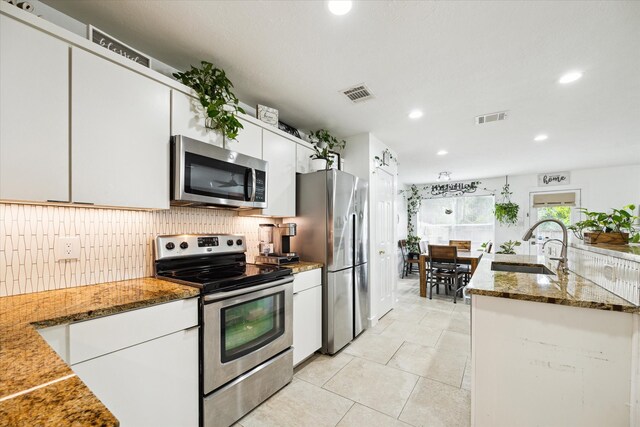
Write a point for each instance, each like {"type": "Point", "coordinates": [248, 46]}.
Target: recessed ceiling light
{"type": "Point", "coordinates": [339, 7]}
{"type": "Point", "coordinates": [541, 137]}
{"type": "Point", "coordinates": [442, 152]}
{"type": "Point", "coordinates": [415, 114]}
{"type": "Point", "coordinates": [570, 77]}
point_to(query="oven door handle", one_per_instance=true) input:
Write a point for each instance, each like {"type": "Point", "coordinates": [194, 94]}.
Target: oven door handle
{"type": "Point", "coordinates": [224, 295]}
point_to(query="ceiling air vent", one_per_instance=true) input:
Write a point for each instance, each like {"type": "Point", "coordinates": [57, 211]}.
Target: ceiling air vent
{"type": "Point", "coordinates": [358, 93]}
{"type": "Point", "coordinates": [493, 117]}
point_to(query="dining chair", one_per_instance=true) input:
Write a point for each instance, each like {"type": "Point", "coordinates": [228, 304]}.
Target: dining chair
{"type": "Point", "coordinates": [444, 269]}
{"type": "Point", "coordinates": [407, 261]}
{"type": "Point", "coordinates": [463, 245]}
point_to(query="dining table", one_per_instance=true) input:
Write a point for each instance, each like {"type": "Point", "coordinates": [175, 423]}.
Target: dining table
{"type": "Point", "coordinates": [471, 258]}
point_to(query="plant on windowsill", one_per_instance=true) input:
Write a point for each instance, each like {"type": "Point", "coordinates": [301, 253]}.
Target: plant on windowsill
{"type": "Point", "coordinates": [615, 228]}
{"type": "Point", "coordinates": [219, 104]}
{"type": "Point", "coordinates": [508, 247]}
{"type": "Point", "coordinates": [325, 145]}
{"type": "Point", "coordinates": [506, 212]}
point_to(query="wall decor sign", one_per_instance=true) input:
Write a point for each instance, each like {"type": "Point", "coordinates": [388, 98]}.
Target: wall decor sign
{"type": "Point", "coordinates": [103, 39]}
{"type": "Point", "coordinates": [289, 129]}
{"type": "Point", "coordinates": [454, 188]}
{"type": "Point", "coordinates": [267, 114]}
{"type": "Point", "coordinates": [555, 178]}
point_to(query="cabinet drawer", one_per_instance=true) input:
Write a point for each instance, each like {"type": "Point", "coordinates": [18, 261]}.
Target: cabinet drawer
{"type": "Point", "coordinates": [96, 337]}
{"type": "Point", "coordinates": [307, 280]}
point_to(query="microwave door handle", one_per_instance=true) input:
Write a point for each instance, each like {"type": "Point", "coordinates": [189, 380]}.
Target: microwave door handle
{"type": "Point", "coordinates": [247, 195]}
{"type": "Point", "coordinates": [253, 185]}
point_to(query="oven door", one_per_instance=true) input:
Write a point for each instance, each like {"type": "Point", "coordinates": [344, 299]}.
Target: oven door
{"type": "Point", "coordinates": [203, 174]}
{"type": "Point", "coordinates": [245, 329]}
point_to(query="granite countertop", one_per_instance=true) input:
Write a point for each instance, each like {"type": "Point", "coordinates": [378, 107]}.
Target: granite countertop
{"type": "Point", "coordinates": [36, 386]}
{"type": "Point", "coordinates": [561, 288]}
{"type": "Point", "coordinates": [301, 266]}
{"type": "Point", "coordinates": [629, 252]}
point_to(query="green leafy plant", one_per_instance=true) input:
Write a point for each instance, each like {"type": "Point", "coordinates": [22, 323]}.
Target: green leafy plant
{"type": "Point", "coordinates": [220, 105]}
{"type": "Point", "coordinates": [618, 221]}
{"type": "Point", "coordinates": [323, 144]}
{"type": "Point", "coordinates": [508, 247]}
{"type": "Point", "coordinates": [413, 244]}
{"type": "Point", "coordinates": [506, 212]}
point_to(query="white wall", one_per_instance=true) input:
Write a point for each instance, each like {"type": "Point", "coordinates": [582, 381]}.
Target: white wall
{"type": "Point", "coordinates": [601, 189]}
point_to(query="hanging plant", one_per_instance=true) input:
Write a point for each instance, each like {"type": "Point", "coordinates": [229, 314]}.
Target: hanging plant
{"type": "Point", "coordinates": [414, 200]}
{"type": "Point", "coordinates": [506, 212]}
{"type": "Point", "coordinates": [324, 144]}
{"type": "Point", "coordinates": [387, 157]}
{"type": "Point", "coordinates": [220, 105]}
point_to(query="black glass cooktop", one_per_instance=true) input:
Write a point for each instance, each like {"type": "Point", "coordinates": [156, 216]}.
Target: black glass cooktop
{"type": "Point", "coordinates": [219, 274]}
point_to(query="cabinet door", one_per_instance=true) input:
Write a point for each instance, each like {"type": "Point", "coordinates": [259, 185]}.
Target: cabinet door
{"type": "Point", "coordinates": [34, 114]}
{"type": "Point", "coordinates": [280, 152]}
{"type": "Point", "coordinates": [119, 135]}
{"type": "Point", "coordinates": [249, 140]}
{"type": "Point", "coordinates": [307, 323]}
{"type": "Point", "coordinates": [150, 384]}
{"type": "Point", "coordinates": [303, 159]}
{"type": "Point", "coordinates": [187, 119]}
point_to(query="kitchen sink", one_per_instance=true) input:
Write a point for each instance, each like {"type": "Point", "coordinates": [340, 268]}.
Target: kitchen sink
{"type": "Point", "coordinates": [521, 268]}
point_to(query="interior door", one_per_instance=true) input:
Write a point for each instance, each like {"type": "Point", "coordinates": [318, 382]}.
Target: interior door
{"type": "Point", "coordinates": [383, 244]}
{"type": "Point", "coordinates": [568, 214]}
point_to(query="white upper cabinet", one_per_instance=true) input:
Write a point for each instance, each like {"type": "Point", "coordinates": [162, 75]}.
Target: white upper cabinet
{"type": "Point", "coordinates": [249, 140]}
{"type": "Point", "coordinates": [280, 152]}
{"type": "Point", "coordinates": [303, 158]}
{"type": "Point", "coordinates": [120, 135]}
{"type": "Point", "coordinates": [34, 114]}
{"type": "Point", "coordinates": [187, 119]}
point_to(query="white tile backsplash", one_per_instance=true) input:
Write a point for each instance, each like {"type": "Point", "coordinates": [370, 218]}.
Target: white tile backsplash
{"type": "Point", "coordinates": [115, 244]}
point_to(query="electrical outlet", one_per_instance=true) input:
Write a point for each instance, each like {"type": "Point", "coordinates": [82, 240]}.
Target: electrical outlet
{"type": "Point", "coordinates": [67, 248]}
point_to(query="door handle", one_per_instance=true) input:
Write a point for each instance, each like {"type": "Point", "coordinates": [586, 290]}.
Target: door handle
{"type": "Point", "coordinates": [253, 185]}
{"type": "Point", "coordinates": [381, 252]}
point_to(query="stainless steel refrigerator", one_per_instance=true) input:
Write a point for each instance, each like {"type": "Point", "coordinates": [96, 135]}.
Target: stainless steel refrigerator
{"type": "Point", "coordinates": [332, 218]}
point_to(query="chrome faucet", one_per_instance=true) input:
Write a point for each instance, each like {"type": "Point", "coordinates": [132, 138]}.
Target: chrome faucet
{"type": "Point", "coordinates": [562, 260]}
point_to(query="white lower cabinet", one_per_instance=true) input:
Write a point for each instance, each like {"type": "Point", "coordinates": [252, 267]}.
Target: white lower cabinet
{"type": "Point", "coordinates": [150, 384]}
{"type": "Point", "coordinates": [142, 364]}
{"type": "Point", "coordinates": [307, 314]}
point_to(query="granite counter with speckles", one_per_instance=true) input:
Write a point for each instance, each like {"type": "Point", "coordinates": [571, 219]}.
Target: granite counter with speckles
{"type": "Point", "coordinates": [301, 266]}
{"type": "Point", "coordinates": [36, 386]}
{"type": "Point", "coordinates": [558, 288]}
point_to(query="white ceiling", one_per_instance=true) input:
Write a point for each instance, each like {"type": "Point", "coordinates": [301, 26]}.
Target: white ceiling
{"type": "Point", "coordinates": [453, 60]}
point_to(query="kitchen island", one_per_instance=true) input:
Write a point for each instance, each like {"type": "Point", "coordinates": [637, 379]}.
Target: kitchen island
{"type": "Point", "coordinates": [550, 349]}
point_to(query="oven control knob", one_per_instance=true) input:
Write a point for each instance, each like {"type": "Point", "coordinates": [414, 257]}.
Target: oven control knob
{"type": "Point", "coordinates": [239, 242]}
{"type": "Point", "coordinates": [229, 242]}
{"type": "Point", "coordinates": [170, 245]}
{"type": "Point", "coordinates": [184, 245]}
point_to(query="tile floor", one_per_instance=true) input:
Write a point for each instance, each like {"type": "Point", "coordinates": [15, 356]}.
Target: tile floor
{"type": "Point", "coordinates": [411, 369]}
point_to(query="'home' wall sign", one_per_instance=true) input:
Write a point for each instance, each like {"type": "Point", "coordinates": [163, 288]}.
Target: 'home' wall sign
{"type": "Point", "coordinates": [555, 178]}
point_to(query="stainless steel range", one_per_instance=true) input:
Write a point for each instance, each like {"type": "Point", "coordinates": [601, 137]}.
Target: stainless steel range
{"type": "Point", "coordinates": [247, 312]}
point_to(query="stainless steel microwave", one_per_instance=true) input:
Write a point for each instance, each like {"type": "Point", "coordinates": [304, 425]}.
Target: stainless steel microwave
{"type": "Point", "coordinates": [205, 175]}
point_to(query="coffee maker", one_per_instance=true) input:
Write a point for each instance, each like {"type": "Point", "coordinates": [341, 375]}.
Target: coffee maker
{"type": "Point", "coordinates": [275, 244]}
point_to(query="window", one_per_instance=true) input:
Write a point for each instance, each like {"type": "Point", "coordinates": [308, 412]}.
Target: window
{"type": "Point", "coordinates": [457, 218]}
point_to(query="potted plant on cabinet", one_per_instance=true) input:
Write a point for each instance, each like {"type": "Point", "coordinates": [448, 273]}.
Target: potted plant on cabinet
{"type": "Point", "coordinates": [324, 145]}
{"type": "Point", "coordinates": [219, 104]}
{"type": "Point", "coordinates": [615, 228]}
